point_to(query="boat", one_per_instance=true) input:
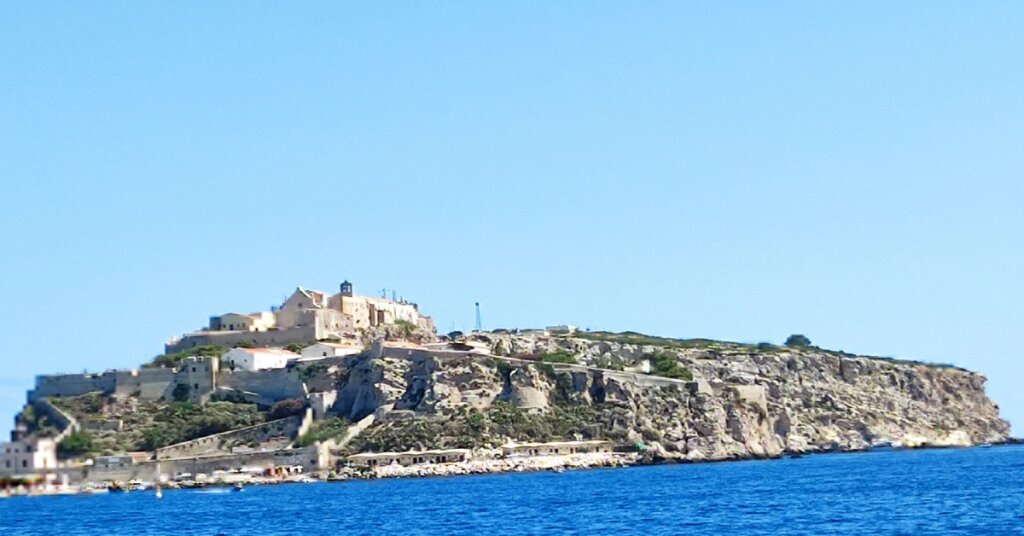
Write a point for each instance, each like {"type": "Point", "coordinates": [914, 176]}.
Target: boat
{"type": "Point", "coordinates": [117, 487]}
{"type": "Point", "coordinates": [238, 487]}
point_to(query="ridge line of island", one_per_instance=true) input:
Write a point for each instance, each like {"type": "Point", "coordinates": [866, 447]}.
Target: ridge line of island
{"type": "Point", "coordinates": [334, 387]}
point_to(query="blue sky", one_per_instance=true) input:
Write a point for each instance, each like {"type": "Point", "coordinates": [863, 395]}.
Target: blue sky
{"type": "Point", "coordinates": [741, 172]}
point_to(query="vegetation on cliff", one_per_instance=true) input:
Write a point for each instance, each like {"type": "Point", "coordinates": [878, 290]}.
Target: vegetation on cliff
{"type": "Point", "coordinates": [151, 425]}
{"type": "Point", "coordinates": [323, 430]}
{"type": "Point", "coordinates": [667, 366]}
{"type": "Point", "coordinates": [75, 444]}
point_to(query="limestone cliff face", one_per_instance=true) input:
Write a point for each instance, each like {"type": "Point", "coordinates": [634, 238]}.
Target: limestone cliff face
{"type": "Point", "coordinates": [741, 402]}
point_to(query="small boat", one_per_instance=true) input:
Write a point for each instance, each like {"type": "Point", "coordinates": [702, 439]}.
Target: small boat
{"type": "Point", "coordinates": [238, 487]}
{"type": "Point", "coordinates": [985, 445]}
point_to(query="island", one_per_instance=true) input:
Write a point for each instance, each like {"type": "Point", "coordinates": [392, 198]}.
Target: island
{"type": "Point", "coordinates": [340, 386]}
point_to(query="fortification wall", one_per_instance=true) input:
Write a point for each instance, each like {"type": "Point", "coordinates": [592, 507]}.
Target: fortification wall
{"type": "Point", "coordinates": [72, 385]}
{"type": "Point", "coordinates": [200, 375]}
{"type": "Point", "coordinates": [148, 384]}
{"type": "Point", "coordinates": [312, 458]}
{"type": "Point", "coordinates": [274, 385]}
{"type": "Point", "coordinates": [321, 402]}
{"type": "Point", "coordinates": [307, 421]}
{"type": "Point", "coordinates": [143, 471]}
{"type": "Point", "coordinates": [287, 428]}
{"type": "Point", "coordinates": [65, 422]}
{"type": "Point", "coordinates": [227, 339]}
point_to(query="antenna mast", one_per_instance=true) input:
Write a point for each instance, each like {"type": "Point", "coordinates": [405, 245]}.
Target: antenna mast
{"type": "Point", "coordinates": [479, 325]}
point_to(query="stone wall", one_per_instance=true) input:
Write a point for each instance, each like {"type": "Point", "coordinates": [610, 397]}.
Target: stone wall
{"type": "Point", "coordinates": [321, 402]}
{"type": "Point", "coordinates": [272, 385]}
{"type": "Point", "coordinates": [307, 421]}
{"type": "Point", "coordinates": [64, 422]}
{"type": "Point", "coordinates": [72, 385]}
{"type": "Point", "coordinates": [200, 374]}
{"type": "Point", "coordinates": [282, 428]}
{"type": "Point", "coordinates": [227, 339]}
{"type": "Point", "coordinates": [312, 458]}
{"type": "Point", "coordinates": [147, 383]}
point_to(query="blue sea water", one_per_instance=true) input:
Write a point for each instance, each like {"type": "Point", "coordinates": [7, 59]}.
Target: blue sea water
{"type": "Point", "coordinates": [963, 491]}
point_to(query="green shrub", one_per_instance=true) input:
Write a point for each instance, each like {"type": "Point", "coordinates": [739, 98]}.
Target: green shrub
{"type": "Point", "coordinates": [504, 368]}
{"type": "Point", "coordinates": [306, 374]}
{"type": "Point", "coordinates": [407, 328]}
{"type": "Point", "coordinates": [175, 359]}
{"type": "Point", "coordinates": [667, 366]}
{"type": "Point", "coordinates": [287, 408]}
{"type": "Point", "coordinates": [75, 444]}
{"type": "Point", "coordinates": [181, 392]}
{"type": "Point", "coordinates": [798, 341]}
{"type": "Point", "coordinates": [323, 430]}
{"type": "Point", "coordinates": [184, 421]}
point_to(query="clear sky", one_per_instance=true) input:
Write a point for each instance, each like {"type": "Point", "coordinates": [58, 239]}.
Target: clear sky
{"type": "Point", "coordinates": [851, 171]}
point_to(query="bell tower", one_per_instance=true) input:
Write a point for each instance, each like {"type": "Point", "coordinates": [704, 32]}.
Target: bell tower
{"type": "Point", "coordinates": [346, 288]}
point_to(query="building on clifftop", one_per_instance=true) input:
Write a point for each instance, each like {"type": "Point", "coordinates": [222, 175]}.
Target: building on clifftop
{"type": "Point", "coordinates": [307, 316]}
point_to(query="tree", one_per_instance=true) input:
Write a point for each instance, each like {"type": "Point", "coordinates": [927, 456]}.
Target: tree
{"type": "Point", "coordinates": [798, 341]}
{"type": "Point", "coordinates": [75, 444]}
{"type": "Point", "coordinates": [181, 392]}
{"type": "Point", "coordinates": [287, 408]}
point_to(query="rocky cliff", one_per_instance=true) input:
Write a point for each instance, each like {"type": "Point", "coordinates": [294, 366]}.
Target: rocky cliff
{"type": "Point", "coordinates": [729, 400]}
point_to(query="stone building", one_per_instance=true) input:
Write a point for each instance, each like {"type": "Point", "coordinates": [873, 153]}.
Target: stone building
{"type": "Point", "coordinates": [261, 321]}
{"type": "Point", "coordinates": [556, 448]}
{"type": "Point", "coordinates": [329, 349]}
{"type": "Point", "coordinates": [306, 316]}
{"type": "Point", "coordinates": [412, 457]}
{"type": "Point", "coordinates": [28, 457]}
{"type": "Point", "coordinates": [252, 359]}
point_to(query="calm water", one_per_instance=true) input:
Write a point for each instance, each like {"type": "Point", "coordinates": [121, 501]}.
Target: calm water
{"type": "Point", "coordinates": [969, 491]}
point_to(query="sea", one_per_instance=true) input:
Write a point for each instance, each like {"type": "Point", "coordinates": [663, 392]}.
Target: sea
{"type": "Point", "coordinates": [953, 491]}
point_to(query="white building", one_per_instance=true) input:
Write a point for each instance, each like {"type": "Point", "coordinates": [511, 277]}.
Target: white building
{"type": "Point", "coordinates": [261, 321]}
{"type": "Point", "coordinates": [256, 358]}
{"type": "Point", "coordinates": [28, 457]}
{"type": "Point", "coordinates": [329, 349]}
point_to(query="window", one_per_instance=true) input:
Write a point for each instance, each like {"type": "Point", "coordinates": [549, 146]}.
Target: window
{"type": "Point", "coordinates": [193, 369]}
{"type": "Point", "coordinates": [24, 463]}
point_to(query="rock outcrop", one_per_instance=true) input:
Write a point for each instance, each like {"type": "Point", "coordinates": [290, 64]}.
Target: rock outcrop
{"type": "Point", "coordinates": [741, 401]}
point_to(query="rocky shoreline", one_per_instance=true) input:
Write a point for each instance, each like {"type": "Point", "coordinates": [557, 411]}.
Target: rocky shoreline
{"type": "Point", "coordinates": [485, 466]}
{"type": "Point", "coordinates": [501, 465]}
{"type": "Point", "coordinates": [559, 463]}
